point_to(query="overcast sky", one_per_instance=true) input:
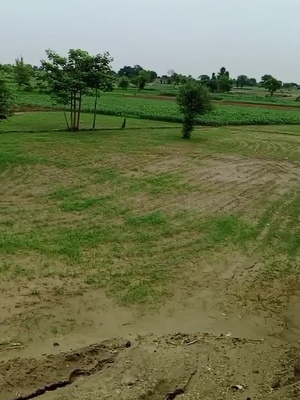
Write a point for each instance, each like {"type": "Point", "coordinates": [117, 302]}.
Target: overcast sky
{"type": "Point", "coordinates": [251, 37]}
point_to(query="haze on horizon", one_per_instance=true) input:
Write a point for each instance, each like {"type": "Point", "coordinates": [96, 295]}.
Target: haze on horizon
{"type": "Point", "coordinates": [251, 37]}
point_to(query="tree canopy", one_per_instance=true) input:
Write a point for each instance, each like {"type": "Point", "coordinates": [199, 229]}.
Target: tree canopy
{"type": "Point", "coordinates": [193, 100]}
{"type": "Point", "coordinates": [68, 78]}
{"type": "Point", "coordinates": [272, 84]}
{"type": "Point", "coordinates": [23, 73]}
{"type": "Point", "coordinates": [6, 101]}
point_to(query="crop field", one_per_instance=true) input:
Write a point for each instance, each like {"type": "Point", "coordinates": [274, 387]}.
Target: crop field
{"type": "Point", "coordinates": [161, 110]}
{"type": "Point", "coordinates": [125, 232]}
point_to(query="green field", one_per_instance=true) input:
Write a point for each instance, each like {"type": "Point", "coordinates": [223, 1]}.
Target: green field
{"type": "Point", "coordinates": [162, 110]}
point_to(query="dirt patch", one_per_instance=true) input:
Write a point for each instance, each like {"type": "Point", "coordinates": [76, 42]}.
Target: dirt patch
{"type": "Point", "coordinates": [219, 183]}
{"type": "Point", "coordinates": [31, 378]}
{"type": "Point", "coordinates": [160, 368]}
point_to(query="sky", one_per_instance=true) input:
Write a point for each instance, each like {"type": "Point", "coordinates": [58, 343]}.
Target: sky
{"type": "Point", "coordinates": [251, 37]}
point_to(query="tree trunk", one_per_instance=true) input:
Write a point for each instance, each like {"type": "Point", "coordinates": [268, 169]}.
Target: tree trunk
{"type": "Point", "coordinates": [79, 111]}
{"type": "Point", "coordinates": [95, 109]}
{"type": "Point", "coordinates": [73, 127]}
{"type": "Point", "coordinates": [71, 112]}
{"type": "Point", "coordinates": [188, 126]}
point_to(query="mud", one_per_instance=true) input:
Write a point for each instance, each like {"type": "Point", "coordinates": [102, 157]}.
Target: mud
{"type": "Point", "coordinates": [198, 366]}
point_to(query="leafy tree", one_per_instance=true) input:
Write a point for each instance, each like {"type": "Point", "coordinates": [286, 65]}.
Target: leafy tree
{"type": "Point", "coordinates": [272, 85]}
{"type": "Point", "coordinates": [100, 77]}
{"type": "Point", "coordinates": [241, 81]}
{"type": "Point", "coordinates": [213, 83]}
{"type": "Point", "coordinates": [217, 83]}
{"type": "Point", "coordinates": [6, 101]}
{"type": "Point", "coordinates": [223, 72]}
{"type": "Point", "coordinates": [69, 78]}
{"type": "Point", "coordinates": [175, 78]}
{"type": "Point", "coordinates": [183, 79]}
{"type": "Point", "coordinates": [252, 82]}
{"type": "Point", "coordinates": [224, 81]}
{"type": "Point", "coordinates": [23, 73]}
{"type": "Point", "coordinates": [204, 79]}
{"type": "Point", "coordinates": [193, 100]}
{"type": "Point", "coordinates": [130, 72]}
{"type": "Point", "coordinates": [152, 76]}
{"type": "Point", "coordinates": [165, 79]}
{"type": "Point", "coordinates": [141, 79]}
{"type": "Point", "coordinates": [289, 85]}
{"type": "Point", "coordinates": [124, 83]}
{"type": "Point", "coordinates": [265, 78]}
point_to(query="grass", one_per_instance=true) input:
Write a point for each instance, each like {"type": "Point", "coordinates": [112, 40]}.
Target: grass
{"type": "Point", "coordinates": [129, 211]}
{"type": "Point", "coordinates": [54, 121]}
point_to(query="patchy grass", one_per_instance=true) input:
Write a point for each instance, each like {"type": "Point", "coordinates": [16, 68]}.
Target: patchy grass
{"type": "Point", "coordinates": [131, 211]}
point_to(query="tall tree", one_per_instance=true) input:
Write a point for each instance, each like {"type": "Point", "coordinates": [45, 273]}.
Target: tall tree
{"type": "Point", "coordinates": [141, 79]}
{"type": "Point", "coordinates": [213, 83]}
{"type": "Point", "coordinates": [252, 82]}
{"type": "Point", "coordinates": [204, 79]}
{"type": "Point", "coordinates": [69, 78]}
{"type": "Point", "coordinates": [272, 85]}
{"type": "Point", "coordinates": [99, 77]}
{"type": "Point", "coordinates": [23, 73]}
{"type": "Point", "coordinates": [123, 83]}
{"type": "Point", "coordinates": [241, 81]}
{"type": "Point", "coordinates": [152, 76]}
{"type": "Point", "coordinates": [193, 99]}
{"type": "Point", "coordinates": [224, 81]}
{"type": "Point", "coordinates": [6, 101]}
{"type": "Point", "coordinates": [130, 72]}
{"type": "Point", "coordinates": [265, 78]}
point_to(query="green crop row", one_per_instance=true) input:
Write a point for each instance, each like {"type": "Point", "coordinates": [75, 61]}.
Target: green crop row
{"type": "Point", "coordinates": [162, 110]}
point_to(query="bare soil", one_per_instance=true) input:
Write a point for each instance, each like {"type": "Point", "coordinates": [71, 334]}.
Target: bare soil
{"type": "Point", "coordinates": [241, 334]}
{"type": "Point", "coordinates": [198, 366]}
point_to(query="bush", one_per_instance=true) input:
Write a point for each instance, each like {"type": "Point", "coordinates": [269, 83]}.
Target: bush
{"type": "Point", "coordinates": [6, 101]}
{"type": "Point", "coordinates": [193, 100]}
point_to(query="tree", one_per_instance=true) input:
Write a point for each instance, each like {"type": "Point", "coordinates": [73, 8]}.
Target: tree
{"type": "Point", "coordinates": [213, 83]}
{"type": "Point", "coordinates": [241, 81]}
{"type": "Point", "coordinates": [272, 85]}
{"type": "Point", "coordinates": [68, 78]}
{"type": "Point", "coordinates": [152, 76]}
{"type": "Point", "coordinates": [289, 85]}
{"type": "Point", "coordinates": [224, 84]}
{"type": "Point", "coordinates": [100, 77]}
{"type": "Point", "coordinates": [193, 100]}
{"type": "Point", "coordinates": [265, 78]}
{"type": "Point", "coordinates": [23, 73]}
{"type": "Point", "coordinates": [6, 101]}
{"type": "Point", "coordinates": [174, 78]}
{"type": "Point", "coordinates": [224, 81]}
{"type": "Point", "coordinates": [130, 72]}
{"type": "Point", "coordinates": [123, 83]}
{"type": "Point", "coordinates": [204, 79]}
{"type": "Point", "coordinates": [252, 82]}
{"type": "Point", "coordinates": [141, 79]}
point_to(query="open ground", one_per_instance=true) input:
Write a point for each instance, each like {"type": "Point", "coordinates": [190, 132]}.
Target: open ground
{"type": "Point", "coordinates": [135, 232]}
